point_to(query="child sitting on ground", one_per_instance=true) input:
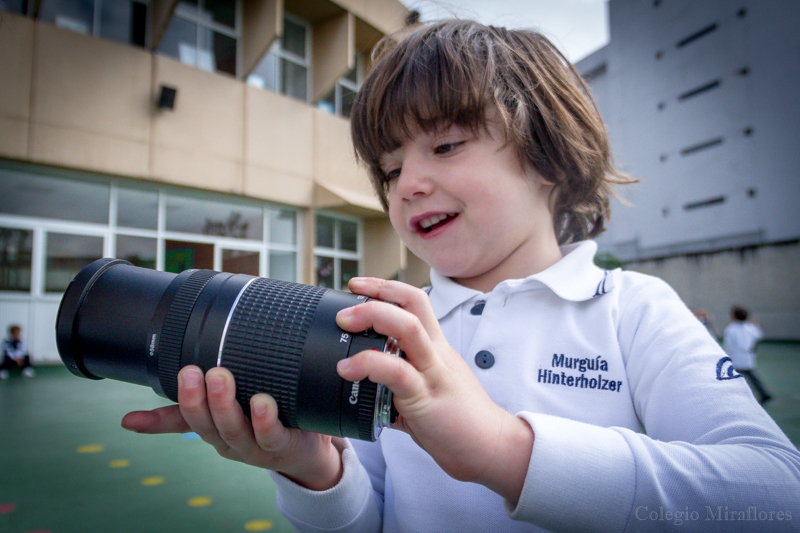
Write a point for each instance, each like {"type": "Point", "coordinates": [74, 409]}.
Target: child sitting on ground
{"type": "Point", "coordinates": [15, 355]}
{"type": "Point", "coordinates": [538, 390]}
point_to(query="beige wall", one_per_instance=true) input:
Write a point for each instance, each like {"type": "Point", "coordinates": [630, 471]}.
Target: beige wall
{"type": "Point", "coordinates": [16, 64]}
{"type": "Point", "coordinates": [388, 16]}
{"type": "Point", "coordinates": [278, 160]}
{"type": "Point", "coordinates": [384, 259]}
{"type": "Point", "coordinates": [89, 104]}
{"type": "Point", "coordinates": [333, 52]}
{"type": "Point", "coordinates": [200, 142]}
{"type": "Point", "coordinates": [85, 103]}
{"type": "Point", "coordinates": [262, 22]}
{"type": "Point", "coordinates": [417, 272]}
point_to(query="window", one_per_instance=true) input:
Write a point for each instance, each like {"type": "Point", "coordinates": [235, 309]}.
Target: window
{"type": "Point", "coordinates": [52, 224]}
{"type": "Point", "coordinates": [203, 34]}
{"type": "Point", "coordinates": [705, 145]}
{"type": "Point", "coordinates": [16, 253]}
{"type": "Point", "coordinates": [120, 20]}
{"type": "Point", "coordinates": [699, 90]}
{"type": "Point", "coordinates": [139, 251]}
{"type": "Point", "coordinates": [31, 195]}
{"type": "Point", "coordinates": [337, 251]}
{"type": "Point", "coordinates": [66, 255]}
{"type": "Point", "coordinates": [697, 35]}
{"type": "Point", "coordinates": [208, 217]}
{"type": "Point", "coordinates": [340, 100]}
{"type": "Point", "coordinates": [284, 69]}
{"type": "Point", "coordinates": [704, 203]}
{"type": "Point", "coordinates": [137, 208]}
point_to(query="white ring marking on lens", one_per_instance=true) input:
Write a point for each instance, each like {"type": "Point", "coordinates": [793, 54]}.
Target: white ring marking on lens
{"type": "Point", "coordinates": [228, 321]}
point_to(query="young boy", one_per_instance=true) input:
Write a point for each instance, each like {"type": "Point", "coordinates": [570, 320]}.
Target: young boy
{"type": "Point", "coordinates": [538, 391]}
{"type": "Point", "coordinates": [739, 342]}
{"type": "Point", "coordinates": [15, 355]}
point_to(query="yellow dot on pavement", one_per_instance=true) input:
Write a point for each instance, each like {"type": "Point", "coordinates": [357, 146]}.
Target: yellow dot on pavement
{"type": "Point", "coordinates": [119, 463]}
{"type": "Point", "coordinates": [152, 481]}
{"type": "Point", "coordinates": [258, 525]}
{"type": "Point", "coordinates": [199, 501]}
{"type": "Point", "coordinates": [90, 448]}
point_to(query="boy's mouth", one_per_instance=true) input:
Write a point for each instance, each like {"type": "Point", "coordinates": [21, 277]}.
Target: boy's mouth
{"type": "Point", "coordinates": [429, 223]}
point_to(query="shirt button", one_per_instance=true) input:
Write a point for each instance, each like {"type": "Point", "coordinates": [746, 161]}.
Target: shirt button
{"type": "Point", "coordinates": [484, 359]}
{"type": "Point", "coordinates": [477, 309]}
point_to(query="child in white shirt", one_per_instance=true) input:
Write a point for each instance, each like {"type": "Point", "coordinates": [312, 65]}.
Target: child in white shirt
{"type": "Point", "coordinates": [538, 391]}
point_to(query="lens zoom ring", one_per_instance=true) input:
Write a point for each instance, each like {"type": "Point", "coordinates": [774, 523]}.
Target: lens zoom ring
{"type": "Point", "coordinates": [174, 328]}
{"type": "Point", "coordinates": [264, 344]}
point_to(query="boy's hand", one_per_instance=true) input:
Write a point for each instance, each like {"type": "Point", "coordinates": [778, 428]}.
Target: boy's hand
{"type": "Point", "coordinates": [441, 403]}
{"type": "Point", "coordinates": [209, 408]}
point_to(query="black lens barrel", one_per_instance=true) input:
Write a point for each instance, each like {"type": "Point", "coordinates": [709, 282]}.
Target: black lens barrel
{"type": "Point", "coordinates": [142, 326]}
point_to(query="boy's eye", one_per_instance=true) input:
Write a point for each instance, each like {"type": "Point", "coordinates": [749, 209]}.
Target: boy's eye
{"type": "Point", "coordinates": [447, 147]}
{"type": "Point", "coordinates": [392, 174]}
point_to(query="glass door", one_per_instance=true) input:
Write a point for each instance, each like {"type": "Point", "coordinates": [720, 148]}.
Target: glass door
{"type": "Point", "coordinates": [183, 255]}
{"type": "Point", "coordinates": [241, 261]}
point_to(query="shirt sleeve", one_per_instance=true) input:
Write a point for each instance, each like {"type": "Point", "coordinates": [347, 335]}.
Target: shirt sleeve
{"type": "Point", "coordinates": [350, 506]}
{"type": "Point", "coordinates": [711, 459]}
{"type": "Point", "coordinates": [756, 332]}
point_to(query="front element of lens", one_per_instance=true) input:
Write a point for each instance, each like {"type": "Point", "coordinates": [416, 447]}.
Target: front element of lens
{"type": "Point", "coordinates": [131, 324]}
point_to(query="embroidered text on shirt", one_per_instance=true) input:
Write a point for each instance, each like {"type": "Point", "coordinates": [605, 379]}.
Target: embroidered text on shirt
{"type": "Point", "coordinates": [592, 381]}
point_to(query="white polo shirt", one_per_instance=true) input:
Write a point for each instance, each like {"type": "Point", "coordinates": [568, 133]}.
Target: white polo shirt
{"type": "Point", "coordinates": [632, 407]}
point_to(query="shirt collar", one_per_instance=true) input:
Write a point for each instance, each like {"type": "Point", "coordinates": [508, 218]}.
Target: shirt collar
{"type": "Point", "coordinates": [574, 278]}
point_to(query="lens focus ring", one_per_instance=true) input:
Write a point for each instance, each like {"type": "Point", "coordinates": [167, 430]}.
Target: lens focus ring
{"type": "Point", "coordinates": [174, 328]}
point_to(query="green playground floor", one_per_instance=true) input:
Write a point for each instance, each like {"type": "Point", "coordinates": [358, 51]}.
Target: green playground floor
{"type": "Point", "coordinates": [66, 466]}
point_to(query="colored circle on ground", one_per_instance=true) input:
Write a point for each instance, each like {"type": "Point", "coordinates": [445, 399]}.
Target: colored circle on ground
{"type": "Point", "coordinates": [153, 481]}
{"type": "Point", "coordinates": [90, 448]}
{"type": "Point", "coordinates": [258, 525]}
{"type": "Point", "coordinates": [7, 508]}
{"type": "Point", "coordinates": [199, 501]}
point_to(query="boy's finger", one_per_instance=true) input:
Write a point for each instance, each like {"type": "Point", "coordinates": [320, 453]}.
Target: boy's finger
{"type": "Point", "coordinates": [398, 375]}
{"type": "Point", "coordinates": [194, 405]}
{"type": "Point", "coordinates": [410, 298]}
{"type": "Point", "coordinates": [234, 429]}
{"type": "Point", "coordinates": [270, 434]}
{"type": "Point", "coordinates": [166, 419]}
{"type": "Point", "coordinates": [394, 322]}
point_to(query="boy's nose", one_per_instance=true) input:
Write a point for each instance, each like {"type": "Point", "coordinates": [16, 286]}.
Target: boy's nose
{"type": "Point", "coordinates": [415, 178]}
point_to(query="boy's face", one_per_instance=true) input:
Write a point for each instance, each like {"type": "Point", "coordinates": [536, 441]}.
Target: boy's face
{"type": "Point", "coordinates": [462, 202]}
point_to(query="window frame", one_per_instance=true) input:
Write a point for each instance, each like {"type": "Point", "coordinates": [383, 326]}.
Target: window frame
{"type": "Point", "coordinates": [343, 82]}
{"type": "Point", "coordinates": [337, 253]}
{"type": "Point", "coordinates": [42, 227]}
{"type": "Point", "coordinates": [200, 23]}
{"type": "Point", "coordinates": [277, 50]}
{"type": "Point", "coordinates": [97, 17]}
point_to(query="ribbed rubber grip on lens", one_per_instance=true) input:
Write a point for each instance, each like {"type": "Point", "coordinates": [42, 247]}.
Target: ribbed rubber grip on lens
{"type": "Point", "coordinates": [264, 343]}
{"type": "Point", "coordinates": [174, 328]}
{"type": "Point", "coordinates": [366, 410]}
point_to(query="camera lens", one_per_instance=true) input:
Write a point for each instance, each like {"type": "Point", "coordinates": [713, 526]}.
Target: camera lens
{"type": "Point", "coordinates": [142, 326]}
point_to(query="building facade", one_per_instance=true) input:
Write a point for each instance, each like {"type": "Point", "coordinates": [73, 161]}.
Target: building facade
{"type": "Point", "coordinates": [191, 134]}
{"type": "Point", "coordinates": [700, 102]}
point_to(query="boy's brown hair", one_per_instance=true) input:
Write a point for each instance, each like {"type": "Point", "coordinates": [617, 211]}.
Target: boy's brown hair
{"type": "Point", "coordinates": [453, 72]}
